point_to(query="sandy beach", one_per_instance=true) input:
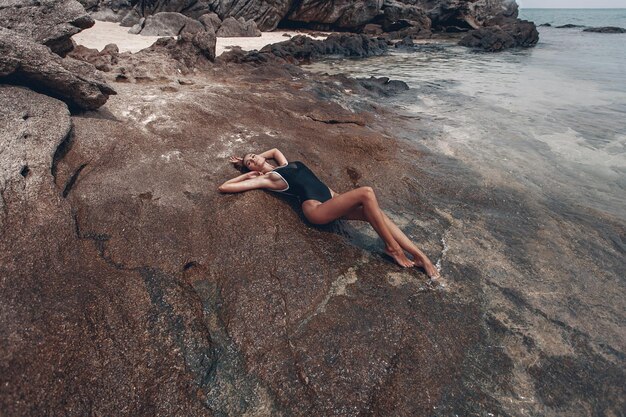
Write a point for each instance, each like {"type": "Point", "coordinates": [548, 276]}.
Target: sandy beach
{"type": "Point", "coordinates": [104, 33]}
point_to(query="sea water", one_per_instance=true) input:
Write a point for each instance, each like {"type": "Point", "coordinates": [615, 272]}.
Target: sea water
{"type": "Point", "coordinates": [548, 120]}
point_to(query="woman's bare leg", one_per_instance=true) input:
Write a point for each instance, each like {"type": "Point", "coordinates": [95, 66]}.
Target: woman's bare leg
{"type": "Point", "coordinates": [419, 257]}
{"type": "Point", "coordinates": [340, 205]}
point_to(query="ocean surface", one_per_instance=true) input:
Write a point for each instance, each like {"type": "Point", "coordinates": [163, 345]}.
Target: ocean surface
{"type": "Point", "coordinates": [549, 121]}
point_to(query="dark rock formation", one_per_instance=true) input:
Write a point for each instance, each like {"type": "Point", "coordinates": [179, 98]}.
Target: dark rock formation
{"type": "Point", "coordinates": [211, 21]}
{"type": "Point", "coordinates": [193, 50]}
{"type": "Point", "coordinates": [335, 14]}
{"type": "Point", "coordinates": [501, 33]}
{"type": "Point", "coordinates": [463, 15]}
{"type": "Point", "coordinates": [606, 29]}
{"type": "Point", "coordinates": [383, 86]}
{"type": "Point", "coordinates": [25, 62]}
{"type": "Point", "coordinates": [231, 27]}
{"type": "Point", "coordinates": [102, 60]}
{"type": "Point", "coordinates": [169, 24]}
{"type": "Point", "coordinates": [547, 25]}
{"type": "Point", "coordinates": [49, 22]}
{"type": "Point", "coordinates": [569, 26]}
{"type": "Point", "coordinates": [303, 48]}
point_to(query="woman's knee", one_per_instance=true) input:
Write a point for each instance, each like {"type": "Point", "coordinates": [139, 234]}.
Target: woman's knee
{"type": "Point", "coordinates": [367, 193]}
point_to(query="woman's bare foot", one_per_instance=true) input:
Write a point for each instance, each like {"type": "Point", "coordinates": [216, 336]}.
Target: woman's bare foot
{"type": "Point", "coordinates": [423, 262]}
{"type": "Point", "coordinates": [400, 258]}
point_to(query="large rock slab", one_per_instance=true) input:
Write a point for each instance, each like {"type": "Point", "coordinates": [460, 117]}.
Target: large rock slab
{"type": "Point", "coordinates": [231, 27]}
{"type": "Point", "coordinates": [22, 61]}
{"type": "Point", "coordinates": [79, 334]}
{"type": "Point", "coordinates": [338, 14]}
{"type": "Point", "coordinates": [606, 29]}
{"type": "Point", "coordinates": [49, 22]}
{"type": "Point", "coordinates": [169, 24]}
{"type": "Point", "coordinates": [502, 33]}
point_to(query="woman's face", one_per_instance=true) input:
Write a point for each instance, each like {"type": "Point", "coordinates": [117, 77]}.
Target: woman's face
{"type": "Point", "coordinates": [253, 162]}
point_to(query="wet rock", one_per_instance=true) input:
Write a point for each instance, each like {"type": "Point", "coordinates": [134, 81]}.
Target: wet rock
{"type": "Point", "coordinates": [231, 27]}
{"type": "Point", "coordinates": [502, 33]}
{"type": "Point", "coordinates": [605, 29]}
{"type": "Point", "coordinates": [169, 24]}
{"type": "Point", "coordinates": [383, 86]}
{"type": "Point", "coordinates": [569, 26]}
{"type": "Point", "coordinates": [25, 62]}
{"type": "Point", "coordinates": [547, 25]}
{"type": "Point", "coordinates": [49, 22]}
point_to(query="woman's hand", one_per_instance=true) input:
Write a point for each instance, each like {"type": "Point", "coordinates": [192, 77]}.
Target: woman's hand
{"type": "Point", "coordinates": [235, 159]}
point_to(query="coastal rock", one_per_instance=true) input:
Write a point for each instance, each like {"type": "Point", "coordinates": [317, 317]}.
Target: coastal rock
{"type": "Point", "coordinates": [108, 10]}
{"type": "Point", "coordinates": [372, 29]}
{"type": "Point", "coordinates": [303, 48]}
{"type": "Point", "coordinates": [193, 50]}
{"type": "Point", "coordinates": [211, 21]}
{"type": "Point", "coordinates": [382, 86]}
{"type": "Point", "coordinates": [335, 14]}
{"type": "Point", "coordinates": [102, 60]}
{"type": "Point", "coordinates": [25, 62]}
{"type": "Point", "coordinates": [49, 22]}
{"type": "Point", "coordinates": [606, 29]}
{"type": "Point", "coordinates": [190, 8]}
{"type": "Point", "coordinates": [569, 26]}
{"type": "Point", "coordinates": [169, 24]}
{"type": "Point", "coordinates": [231, 27]}
{"type": "Point", "coordinates": [397, 16]}
{"type": "Point", "coordinates": [463, 15]}
{"type": "Point", "coordinates": [501, 33]}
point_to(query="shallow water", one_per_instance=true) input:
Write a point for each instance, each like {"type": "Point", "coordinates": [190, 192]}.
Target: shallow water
{"type": "Point", "coordinates": [549, 120]}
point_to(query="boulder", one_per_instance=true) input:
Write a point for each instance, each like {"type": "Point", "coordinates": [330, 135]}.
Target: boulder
{"type": "Point", "coordinates": [193, 50]}
{"type": "Point", "coordinates": [606, 29]}
{"type": "Point", "coordinates": [342, 14]}
{"type": "Point", "coordinates": [232, 27]}
{"type": "Point", "coordinates": [463, 15]}
{"type": "Point", "coordinates": [49, 22]}
{"type": "Point", "coordinates": [22, 61]}
{"type": "Point", "coordinates": [398, 16]}
{"type": "Point", "coordinates": [502, 32]}
{"type": "Point", "coordinates": [382, 86]}
{"type": "Point", "coordinates": [102, 60]}
{"type": "Point", "coordinates": [372, 29]}
{"type": "Point", "coordinates": [190, 8]}
{"type": "Point", "coordinates": [211, 21]}
{"type": "Point", "coordinates": [169, 24]}
{"type": "Point", "coordinates": [569, 26]}
{"type": "Point", "coordinates": [349, 45]}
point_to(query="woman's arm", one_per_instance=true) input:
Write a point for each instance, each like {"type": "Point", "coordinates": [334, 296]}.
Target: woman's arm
{"type": "Point", "coordinates": [276, 155]}
{"type": "Point", "coordinates": [249, 181]}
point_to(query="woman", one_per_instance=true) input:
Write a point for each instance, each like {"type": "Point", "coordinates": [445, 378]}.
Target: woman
{"type": "Point", "coordinates": [322, 205]}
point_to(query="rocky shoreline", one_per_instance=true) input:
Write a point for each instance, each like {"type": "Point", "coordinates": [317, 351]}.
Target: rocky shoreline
{"type": "Point", "coordinates": [130, 286]}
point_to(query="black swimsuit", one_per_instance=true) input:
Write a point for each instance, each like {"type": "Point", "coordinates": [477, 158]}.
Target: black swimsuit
{"type": "Point", "coordinates": [302, 182]}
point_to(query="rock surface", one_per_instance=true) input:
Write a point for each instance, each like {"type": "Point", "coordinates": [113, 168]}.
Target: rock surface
{"type": "Point", "coordinates": [25, 62]}
{"type": "Point", "coordinates": [169, 24]}
{"type": "Point", "coordinates": [606, 29]}
{"type": "Point", "coordinates": [49, 22]}
{"type": "Point", "coordinates": [502, 33]}
{"type": "Point", "coordinates": [231, 27]}
{"type": "Point", "coordinates": [129, 283]}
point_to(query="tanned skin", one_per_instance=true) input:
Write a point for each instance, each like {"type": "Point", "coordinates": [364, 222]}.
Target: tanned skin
{"type": "Point", "coordinates": [358, 204]}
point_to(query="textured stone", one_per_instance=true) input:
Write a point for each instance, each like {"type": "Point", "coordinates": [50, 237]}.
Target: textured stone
{"type": "Point", "coordinates": [231, 27]}
{"type": "Point", "coordinates": [49, 22]}
{"type": "Point", "coordinates": [25, 62]}
{"type": "Point", "coordinates": [169, 24]}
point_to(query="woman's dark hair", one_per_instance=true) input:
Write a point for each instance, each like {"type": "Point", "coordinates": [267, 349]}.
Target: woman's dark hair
{"type": "Point", "coordinates": [241, 166]}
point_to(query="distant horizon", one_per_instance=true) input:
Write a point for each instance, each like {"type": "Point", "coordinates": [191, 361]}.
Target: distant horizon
{"type": "Point", "coordinates": [574, 8]}
{"type": "Point", "coordinates": [572, 4]}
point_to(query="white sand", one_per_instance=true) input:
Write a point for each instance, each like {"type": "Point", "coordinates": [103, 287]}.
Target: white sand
{"type": "Point", "coordinates": [103, 33]}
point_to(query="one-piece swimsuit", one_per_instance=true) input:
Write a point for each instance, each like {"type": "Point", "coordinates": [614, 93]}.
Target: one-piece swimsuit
{"type": "Point", "coordinates": [302, 182]}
